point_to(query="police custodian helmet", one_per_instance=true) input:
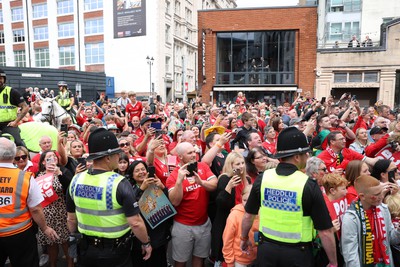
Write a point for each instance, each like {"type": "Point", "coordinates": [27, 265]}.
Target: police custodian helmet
{"type": "Point", "coordinates": [62, 83]}
{"type": "Point", "coordinates": [102, 143]}
{"type": "Point", "coordinates": [291, 141]}
{"type": "Point", "coordinates": [3, 74]}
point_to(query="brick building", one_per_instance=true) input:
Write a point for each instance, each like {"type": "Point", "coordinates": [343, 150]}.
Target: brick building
{"type": "Point", "coordinates": [266, 53]}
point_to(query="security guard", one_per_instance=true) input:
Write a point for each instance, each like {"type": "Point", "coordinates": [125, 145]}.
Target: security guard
{"type": "Point", "coordinates": [10, 100]}
{"type": "Point", "coordinates": [65, 97]}
{"type": "Point", "coordinates": [20, 202]}
{"type": "Point", "coordinates": [290, 206]}
{"type": "Point", "coordinates": [101, 205]}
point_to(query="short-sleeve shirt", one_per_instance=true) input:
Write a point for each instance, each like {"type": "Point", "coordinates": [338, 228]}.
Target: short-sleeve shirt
{"type": "Point", "coordinates": [313, 203]}
{"type": "Point", "coordinates": [134, 109]}
{"type": "Point", "coordinates": [162, 170]}
{"type": "Point", "coordinates": [331, 162]}
{"type": "Point", "coordinates": [193, 207]}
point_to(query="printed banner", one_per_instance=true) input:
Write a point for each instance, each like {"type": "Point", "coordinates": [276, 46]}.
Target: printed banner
{"type": "Point", "coordinates": [45, 183]}
{"type": "Point", "coordinates": [155, 206]}
{"type": "Point", "coordinates": [129, 18]}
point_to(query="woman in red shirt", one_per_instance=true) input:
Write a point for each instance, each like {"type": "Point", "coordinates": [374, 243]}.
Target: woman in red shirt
{"type": "Point", "coordinates": [354, 169]}
{"type": "Point", "coordinates": [270, 140]}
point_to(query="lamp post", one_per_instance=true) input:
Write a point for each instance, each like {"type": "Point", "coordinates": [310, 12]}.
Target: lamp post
{"type": "Point", "coordinates": [150, 61]}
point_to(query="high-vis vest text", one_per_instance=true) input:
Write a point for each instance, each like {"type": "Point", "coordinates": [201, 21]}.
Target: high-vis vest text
{"type": "Point", "coordinates": [281, 212]}
{"type": "Point", "coordinates": [14, 187]}
{"type": "Point", "coordinates": [97, 209]}
{"type": "Point", "coordinates": [64, 99]}
{"type": "Point", "coordinates": [8, 112]}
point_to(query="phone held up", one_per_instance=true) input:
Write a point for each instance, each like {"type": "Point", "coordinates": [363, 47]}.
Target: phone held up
{"type": "Point", "coordinates": [152, 171]}
{"type": "Point", "coordinates": [192, 167]}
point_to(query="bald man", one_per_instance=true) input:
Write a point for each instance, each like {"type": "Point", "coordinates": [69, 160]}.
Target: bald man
{"type": "Point", "coordinates": [367, 228]}
{"type": "Point", "coordinates": [191, 231]}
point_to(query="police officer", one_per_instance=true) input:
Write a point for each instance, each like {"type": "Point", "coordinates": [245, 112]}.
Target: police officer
{"type": "Point", "coordinates": [20, 202]}
{"type": "Point", "coordinates": [65, 97]}
{"type": "Point", "coordinates": [290, 206]}
{"type": "Point", "coordinates": [10, 100]}
{"type": "Point", "coordinates": [101, 205]}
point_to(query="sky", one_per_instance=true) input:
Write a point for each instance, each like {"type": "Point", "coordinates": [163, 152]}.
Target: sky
{"type": "Point", "coordinates": [265, 3]}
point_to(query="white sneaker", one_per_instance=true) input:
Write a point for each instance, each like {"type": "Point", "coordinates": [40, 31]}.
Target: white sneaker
{"type": "Point", "coordinates": [44, 260]}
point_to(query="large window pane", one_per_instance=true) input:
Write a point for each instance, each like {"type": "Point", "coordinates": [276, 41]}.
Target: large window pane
{"type": "Point", "coordinates": [66, 30]}
{"type": "Point", "coordinates": [239, 49]}
{"type": "Point", "coordinates": [40, 33]}
{"type": "Point", "coordinates": [93, 4]}
{"type": "Point", "coordinates": [42, 57]}
{"type": "Point", "coordinates": [94, 53]}
{"type": "Point", "coordinates": [39, 11]}
{"type": "Point", "coordinates": [224, 52]}
{"type": "Point", "coordinates": [20, 58]}
{"type": "Point", "coordinates": [340, 77]}
{"type": "Point", "coordinates": [3, 59]}
{"type": "Point", "coordinates": [17, 14]}
{"type": "Point", "coordinates": [94, 26]}
{"type": "Point", "coordinates": [67, 55]}
{"type": "Point", "coordinates": [355, 77]}
{"type": "Point", "coordinates": [65, 7]}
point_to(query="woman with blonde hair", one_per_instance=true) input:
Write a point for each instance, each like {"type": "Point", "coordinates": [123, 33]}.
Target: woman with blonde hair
{"type": "Point", "coordinates": [231, 183]}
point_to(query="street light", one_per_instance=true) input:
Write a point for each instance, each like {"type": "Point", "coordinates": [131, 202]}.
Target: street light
{"type": "Point", "coordinates": [150, 61]}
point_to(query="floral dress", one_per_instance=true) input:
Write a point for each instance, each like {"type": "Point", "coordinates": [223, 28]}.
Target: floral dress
{"type": "Point", "coordinates": [56, 216]}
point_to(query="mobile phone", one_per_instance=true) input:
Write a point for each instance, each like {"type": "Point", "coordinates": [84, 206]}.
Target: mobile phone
{"type": "Point", "coordinates": [353, 98]}
{"type": "Point", "coordinates": [152, 171]}
{"type": "Point", "coordinates": [323, 100]}
{"type": "Point", "coordinates": [391, 176]}
{"type": "Point", "coordinates": [82, 161]}
{"type": "Point", "coordinates": [201, 112]}
{"type": "Point", "coordinates": [88, 104]}
{"type": "Point", "coordinates": [64, 128]}
{"type": "Point", "coordinates": [192, 167]}
{"type": "Point", "coordinates": [50, 160]}
{"type": "Point", "coordinates": [156, 125]}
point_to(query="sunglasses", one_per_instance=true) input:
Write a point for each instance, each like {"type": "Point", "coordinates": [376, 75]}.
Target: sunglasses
{"type": "Point", "coordinates": [124, 144]}
{"type": "Point", "coordinates": [24, 157]}
{"type": "Point", "coordinates": [323, 169]}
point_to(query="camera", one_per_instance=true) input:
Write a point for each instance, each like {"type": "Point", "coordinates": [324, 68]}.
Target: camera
{"type": "Point", "coordinates": [192, 167]}
{"type": "Point", "coordinates": [394, 145]}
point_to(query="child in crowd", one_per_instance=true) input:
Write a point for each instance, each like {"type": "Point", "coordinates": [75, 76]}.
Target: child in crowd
{"type": "Point", "coordinates": [367, 229]}
{"type": "Point", "coordinates": [393, 203]}
{"type": "Point", "coordinates": [123, 164]}
{"type": "Point", "coordinates": [233, 255]}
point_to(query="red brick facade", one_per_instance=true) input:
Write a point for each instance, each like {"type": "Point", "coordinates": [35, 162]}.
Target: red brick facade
{"type": "Point", "coordinates": [303, 20]}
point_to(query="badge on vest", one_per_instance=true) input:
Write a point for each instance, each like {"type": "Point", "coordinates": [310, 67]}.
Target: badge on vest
{"type": "Point", "coordinates": [280, 199]}
{"type": "Point", "coordinates": [88, 191]}
{"type": "Point", "coordinates": [6, 200]}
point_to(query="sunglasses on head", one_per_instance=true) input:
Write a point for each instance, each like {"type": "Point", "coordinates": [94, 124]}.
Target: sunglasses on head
{"type": "Point", "coordinates": [124, 144]}
{"type": "Point", "coordinates": [24, 157]}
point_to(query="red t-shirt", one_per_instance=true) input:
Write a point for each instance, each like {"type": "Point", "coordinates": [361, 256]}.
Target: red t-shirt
{"type": "Point", "coordinates": [81, 118]}
{"type": "Point", "coordinates": [351, 195]}
{"type": "Point", "coordinates": [193, 208]}
{"type": "Point", "coordinates": [331, 162]}
{"type": "Point", "coordinates": [134, 109]}
{"type": "Point", "coordinates": [140, 139]}
{"type": "Point", "coordinates": [138, 132]}
{"type": "Point", "coordinates": [271, 147]}
{"type": "Point", "coordinates": [162, 170]}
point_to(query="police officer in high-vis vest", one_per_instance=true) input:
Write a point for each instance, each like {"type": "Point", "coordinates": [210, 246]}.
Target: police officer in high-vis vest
{"type": "Point", "coordinates": [10, 101]}
{"type": "Point", "coordinates": [65, 97]}
{"type": "Point", "coordinates": [291, 207]}
{"type": "Point", "coordinates": [20, 202]}
{"type": "Point", "coordinates": [101, 205]}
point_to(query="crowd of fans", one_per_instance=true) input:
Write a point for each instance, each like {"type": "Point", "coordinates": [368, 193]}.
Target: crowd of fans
{"type": "Point", "coordinates": [233, 143]}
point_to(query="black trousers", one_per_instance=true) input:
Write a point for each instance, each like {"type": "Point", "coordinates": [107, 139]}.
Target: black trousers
{"type": "Point", "coordinates": [103, 256]}
{"type": "Point", "coordinates": [14, 131]}
{"type": "Point", "coordinates": [158, 258]}
{"type": "Point", "coordinates": [275, 255]}
{"type": "Point", "coordinates": [20, 248]}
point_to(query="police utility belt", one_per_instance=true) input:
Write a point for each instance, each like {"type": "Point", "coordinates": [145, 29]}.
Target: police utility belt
{"type": "Point", "coordinates": [101, 242]}
{"type": "Point", "coordinates": [263, 239]}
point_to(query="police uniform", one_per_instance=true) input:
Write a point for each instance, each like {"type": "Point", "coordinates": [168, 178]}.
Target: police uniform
{"type": "Point", "coordinates": [9, 102]}
{"type": "Point", "coordinates": [18, 192]}
{"type": "Point", "coordinates": [290, 206]}
{"type": "Point", "coordinates": [102, 200]}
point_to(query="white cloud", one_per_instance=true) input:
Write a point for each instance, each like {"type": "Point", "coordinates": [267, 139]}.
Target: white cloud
{"type": "Point", "coordinates": [265, 3]}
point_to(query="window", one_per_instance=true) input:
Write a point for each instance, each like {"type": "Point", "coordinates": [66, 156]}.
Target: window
{"type": "Point", "coordinates": [65, 7]}
{"type": "Point", "coordinates": [167, 62]}
{"type": "Point", "coordinates": [371, 77]}
{"type": "Point", "coordinates": [355, 77]}
{"type": "Point", "coordinates": [350, 29]}
{"type": "Point", "coordinates": [19, 58]}
{"type": "Point", "coordinates": [188, 15]}
{"type": "Point", "coordinates": [66, 30]}
{"type": "Point", "coordinates": [40, 33]}
{"type": "Point", "coordinates": [167, 33]}
{"type": "Point", "coordinates": [177, 7]}
{"type": "Point", "coordinates": [167, 7]}
{"type": "Point", "coordinates": [94, 53]}
{"type": "Point", "coordinates": [2, 38]}
{"type": "Point", "coordinates": [335, 31]}
{"type": "Point", "coordinates": [340, 77]}
{"type": "Point", "coordinates": [39, 11]}
{"type": "Point", "coordinates": [19, 35]}
{"type": "Point", "coordinates": [67, 55]}
{"type": "Point", "coordinates": [93, 4]}
{"type": "Point", "coordinates": [3, 59]}
{"type": "Point", "coordinates": [177, 29]}
{"type": "Point", "coordinates": [1, 16]}
{"type": "Point", "coordinates": [255, 57]}
{"type": "Point", "coordinates": [94, 26]}
{"type": "Point", "coordinates": [17, 14]}
{"type": "Point", "coordinates": [352, 5]}
{"type": "Point", "coordinates": [42, 57]}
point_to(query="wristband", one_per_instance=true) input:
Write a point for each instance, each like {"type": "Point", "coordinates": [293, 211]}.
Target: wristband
{"type": "Point", "coordinates": [146, 245]}
{"type": "Point", "coordinates": [218, 145]}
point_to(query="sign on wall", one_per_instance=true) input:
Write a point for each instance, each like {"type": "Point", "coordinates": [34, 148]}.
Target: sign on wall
{"type": "Point", "coordinates": [129, 18]}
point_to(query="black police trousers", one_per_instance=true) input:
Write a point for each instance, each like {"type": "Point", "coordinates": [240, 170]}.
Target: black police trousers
{"type": "Point", "coordinates": [275, 255]}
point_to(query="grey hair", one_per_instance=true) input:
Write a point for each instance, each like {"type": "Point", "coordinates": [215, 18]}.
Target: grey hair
{"type": "Point", "coordinates": [313, 165]}
{"type": "Point", "coordinates": [8, 150]}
